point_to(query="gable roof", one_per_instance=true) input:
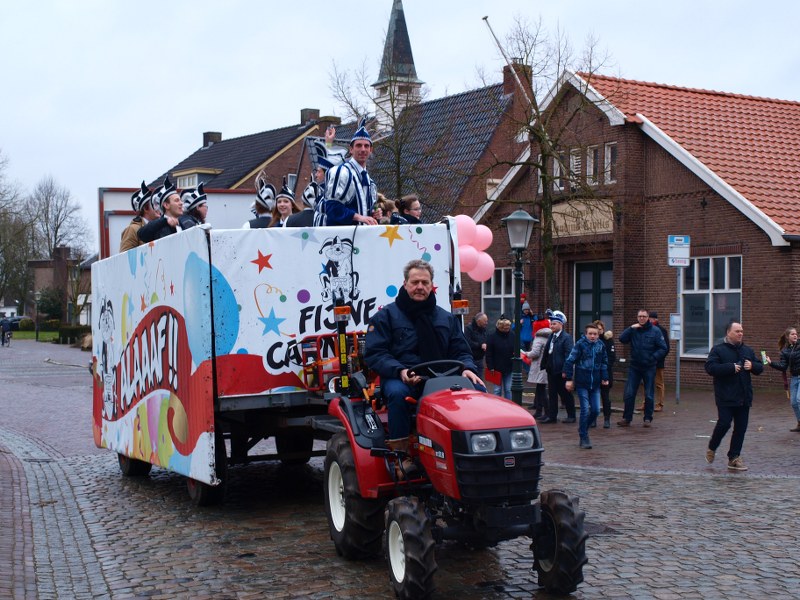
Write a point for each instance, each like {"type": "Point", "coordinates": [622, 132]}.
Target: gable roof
{"type": "Point", "coordinates": [442, 143]}
{"type": "Point", "coordinates": [236, 158]}
{"type": "Point", "coordinates": [745, 147]}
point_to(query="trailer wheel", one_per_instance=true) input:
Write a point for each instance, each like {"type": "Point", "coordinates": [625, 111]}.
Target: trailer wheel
{"type": "Point", "coordinates": [559, 544]}
{"type": "Point", "coordinates": [356, 523]}
{"type": "Point", "coordinates": [132, 467]}
{"type": "Point", "coordinates": [409, 548]}
{"type": "Point", "coordinates": [202, 494]}
{"type": "Point", "coordinates": [299, 442]}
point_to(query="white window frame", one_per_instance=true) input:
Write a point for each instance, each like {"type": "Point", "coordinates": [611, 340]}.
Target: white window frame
{"type": "Point", "coordinates": [575, 165]}
{"type": "Point", "coordinates": [539, 174]}
{"type": "Point", "coordinates": [608, 165]}
{"type": "Point", "coordinates": [291, 181]}
{"type": "Point", "coordinates": [501, 278]}
{"type": "Point", "coordinates": [696, 290]}
{"type": "Point", "coordinates": [592, 165]}
{"type": "Point", "coordinates": [187, 181]}
{"type": "Point", "coordinates": [558, 181]}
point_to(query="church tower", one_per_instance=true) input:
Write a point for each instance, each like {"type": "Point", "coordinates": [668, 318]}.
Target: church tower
{"type": "Point", "coordinates": [397, 85]}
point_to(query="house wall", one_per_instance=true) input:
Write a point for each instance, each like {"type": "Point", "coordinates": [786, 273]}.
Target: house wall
{"type": "Point", "coordinates": [657, 196]}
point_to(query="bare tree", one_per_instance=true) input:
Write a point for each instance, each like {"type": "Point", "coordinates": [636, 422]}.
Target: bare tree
{"type": "Point", "coordinates": [554, 118]}
{"type": "Point", "coordinates": [58, 220]}
{"type": "Point", "coordinates": [78, 286]}
{"type": "Point", "coordinates": [15, 251]}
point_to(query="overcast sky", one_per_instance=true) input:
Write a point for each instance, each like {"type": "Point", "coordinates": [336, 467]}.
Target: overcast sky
{"type": "Point", "coordinates": [105, 94]}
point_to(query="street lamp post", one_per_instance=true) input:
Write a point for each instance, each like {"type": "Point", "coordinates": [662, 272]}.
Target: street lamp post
{"type": "Point", "coordinates": [519, 225]}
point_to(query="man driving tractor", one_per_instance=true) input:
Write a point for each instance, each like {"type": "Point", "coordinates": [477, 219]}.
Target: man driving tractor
{"type": "Point", "coordinates": [412, 330]}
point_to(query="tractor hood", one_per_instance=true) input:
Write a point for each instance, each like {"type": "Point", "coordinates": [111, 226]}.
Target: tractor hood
{"type": "Point", "coordinates": [469, 410]}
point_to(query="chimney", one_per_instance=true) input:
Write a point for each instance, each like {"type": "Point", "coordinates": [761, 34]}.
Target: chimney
{"type": "Point", "coordinates": [309, 115]}
{"type": "Point", "coordinates": [523, 72]}
{"type": "Point", "coordinates": [211, 137]}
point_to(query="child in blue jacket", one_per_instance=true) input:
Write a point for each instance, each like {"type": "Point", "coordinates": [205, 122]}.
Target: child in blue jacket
{"type": "Point", "coordinates": [586, 369]}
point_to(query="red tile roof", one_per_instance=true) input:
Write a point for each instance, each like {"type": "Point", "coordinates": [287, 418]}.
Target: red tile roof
{"type": "Point", "coordinates": [751, 143]}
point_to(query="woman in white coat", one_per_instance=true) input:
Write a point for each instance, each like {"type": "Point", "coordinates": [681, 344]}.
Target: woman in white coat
{"type": "Point", "coordinates": [537, 375]}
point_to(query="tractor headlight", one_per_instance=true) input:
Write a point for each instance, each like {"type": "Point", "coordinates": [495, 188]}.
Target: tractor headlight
{"type": "Point", "coordinates": [522, 440]}
{"type": "Point", "coordinates": [483, 442]}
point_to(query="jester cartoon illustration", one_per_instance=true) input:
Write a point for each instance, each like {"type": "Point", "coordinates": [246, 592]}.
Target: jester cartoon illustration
{"type": "Point", "coordinates": [108, 372]}
{"type": "Point", "coordinates": [338, 279]}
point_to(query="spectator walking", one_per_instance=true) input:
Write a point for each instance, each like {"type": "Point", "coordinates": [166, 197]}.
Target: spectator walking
{"type": "Point", "coordinates": [658, 382]}
{"type": "Point", "coordinates": [585, 371]}
{"type": "Point", "coordinates": [731, 364]}
{"type": "Point", "coordinates": [790, 361]}
{"type": "Point", "coordinates": [607, 337]}
{"type": "Point", "coordinates": [499, 351]}
{"type": "Point", "coordinates": [556, 351]}
{"type": "Point", "coordinates": [476, 335]}
{"type": "Point", "coordinates": [647, 349]}
{"type": "Point", "coordinates": [537, 375]}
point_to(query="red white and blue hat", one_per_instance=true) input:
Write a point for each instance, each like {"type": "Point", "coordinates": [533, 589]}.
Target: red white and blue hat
{"type": "Point", "coordinates": [361, 133]}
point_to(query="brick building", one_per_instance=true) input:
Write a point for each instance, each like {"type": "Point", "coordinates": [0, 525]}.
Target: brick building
{"type": "Point", "coordinates": [641, 162]}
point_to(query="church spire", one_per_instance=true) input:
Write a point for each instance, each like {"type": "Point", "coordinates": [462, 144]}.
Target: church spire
{"type": "Point", "coordinates": [397, 84]}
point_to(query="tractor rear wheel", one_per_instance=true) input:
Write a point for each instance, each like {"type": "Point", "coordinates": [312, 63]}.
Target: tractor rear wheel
{"type": "Point", "coordinates": [409, 548]}
{"type": "Point", "coordinates": [559, 544]}
{"type": "Point", "coordinates": [132, 467]}
{"type": "Point", "coordinates": [356, 523]}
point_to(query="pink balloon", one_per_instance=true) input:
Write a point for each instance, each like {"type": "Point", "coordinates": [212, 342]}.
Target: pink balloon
{"type": "Point", "coordinates": [483, 237]}
{"type": "Point", "coordinates": [468, 257]}
{"type": "Point", "coordinates": [484, 270]}
{"type": "Point", "coordinates": [466, 230]}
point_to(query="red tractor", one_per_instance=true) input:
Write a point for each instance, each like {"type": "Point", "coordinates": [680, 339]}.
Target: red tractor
{"type": "Point", "coordinates": [480, 458]}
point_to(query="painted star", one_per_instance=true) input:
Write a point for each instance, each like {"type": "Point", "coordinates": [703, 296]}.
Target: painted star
{"type": "Point", "coordinates": [391, 234]}
{"type": "Point", "coordinates": [262, 261]}
{"type": "Point", "coordinates": [305, 236]}
{"type": "Point", "coordinates": [271, 322]}
{"type": "Point", "coordinates": [144, 304]}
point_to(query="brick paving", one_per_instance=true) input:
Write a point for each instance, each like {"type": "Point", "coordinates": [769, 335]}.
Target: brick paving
{"type": "Point", "coordinates": [663, 524]}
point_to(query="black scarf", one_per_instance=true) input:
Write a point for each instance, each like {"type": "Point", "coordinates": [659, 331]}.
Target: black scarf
{"type": "Point", "coordinates": [429, 346]}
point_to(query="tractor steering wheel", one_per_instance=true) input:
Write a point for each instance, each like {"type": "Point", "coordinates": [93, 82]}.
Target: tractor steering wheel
{"type": "Point", "coordinates": [438, 368]}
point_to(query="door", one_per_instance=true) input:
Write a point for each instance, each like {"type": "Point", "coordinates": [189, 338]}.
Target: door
{"type": "Point", "coordinates": [594, 293]}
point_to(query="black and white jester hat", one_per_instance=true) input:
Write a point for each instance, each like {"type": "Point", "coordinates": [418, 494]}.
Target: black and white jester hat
{"type": "Point", "coordinates": [322, 158]}
{"type": "Point", "coordinates": [193, 198]}
{"type": "Point", "coordinates": [311, 194]}
{"type": "Point", "coordinates": [285, 192]}
{"type": "Point", "coordinates": [361, 133]}
{"type": "Point", "coordinates": [164, 192]}
{"type": "Point", "coordinates": [141, 197]}
{"type": "Point", "coordinates": [265, 194]}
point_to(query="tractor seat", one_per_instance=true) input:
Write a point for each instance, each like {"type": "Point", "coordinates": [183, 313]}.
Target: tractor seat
{"type": "Point", "coordinates": [436, 384]}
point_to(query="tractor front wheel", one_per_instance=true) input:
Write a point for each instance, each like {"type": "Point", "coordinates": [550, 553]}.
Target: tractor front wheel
{"type": "Point", "coordinates": [559, 544]}
{"type": "Point", "coordinates": [409, 548]}
{"type": "Point", "coordinates": [355, 523]}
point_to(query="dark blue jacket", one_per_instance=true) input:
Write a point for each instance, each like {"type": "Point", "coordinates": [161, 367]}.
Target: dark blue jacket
{"type": "Point", "coordinates": [499, 350]}
{"type": "Point", "coordinates": [553, 362]}
{"type": "Point", "coordinates": [732, 388]}
{"type": "Point", "coordinates": [155, 230]}
{"type": "Point", "coordinates": [648, 347]}
{"type": "Point", "coordinates": [587, 364]}
{"type": "Point", "coordinates": [391, 344]}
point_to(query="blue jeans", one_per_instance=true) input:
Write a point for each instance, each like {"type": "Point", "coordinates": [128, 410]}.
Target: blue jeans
{"type": "Point", "coordinates": [740, 415]}
{"type": "Point", "coordinates": [636, 376]}
{"type": "Point", "coordinates": [504, 389]}
{"type": "Point", "coordinates": [590, 408]}
{"type": "Point", "coordinates": [794, 395]}
{"type": "Point", "coordinates": [394, 395]}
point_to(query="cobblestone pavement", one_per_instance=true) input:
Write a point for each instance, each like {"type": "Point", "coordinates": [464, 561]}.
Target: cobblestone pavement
{"type": "Point", "coordinates": [663, 524]}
